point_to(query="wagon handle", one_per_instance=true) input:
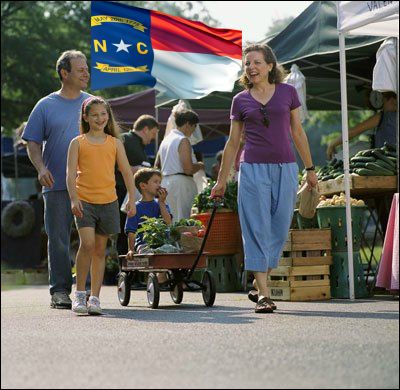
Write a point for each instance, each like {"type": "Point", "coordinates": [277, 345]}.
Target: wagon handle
{"type": "Point", "coordinates": [217, 202]}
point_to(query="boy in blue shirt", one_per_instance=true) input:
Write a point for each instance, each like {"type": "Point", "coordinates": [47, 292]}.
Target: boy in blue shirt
{"type": "Point", "coordinates": [148, 182]}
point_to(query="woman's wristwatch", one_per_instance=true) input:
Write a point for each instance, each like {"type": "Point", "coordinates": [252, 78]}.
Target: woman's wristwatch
{"type": "Point", "coordinates": [312, 168]}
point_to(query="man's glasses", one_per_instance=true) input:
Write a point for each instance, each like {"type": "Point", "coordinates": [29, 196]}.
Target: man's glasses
{"type": "Point", "coordinates": [263, 110]}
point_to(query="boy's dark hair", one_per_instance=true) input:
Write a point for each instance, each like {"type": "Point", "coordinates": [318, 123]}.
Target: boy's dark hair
{"type": "Point", "coordinates": [144, 175]}
{"type": "Point", "coordinates": [145, 120]}
{"type": "Point", "coordinates": [186, 116]}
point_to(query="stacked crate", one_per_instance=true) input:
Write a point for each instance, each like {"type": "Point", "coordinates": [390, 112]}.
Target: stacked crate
{"type": "Point", "coordinates": [334, 217]}
{"type": "Point", "coordinates": [303, 272]}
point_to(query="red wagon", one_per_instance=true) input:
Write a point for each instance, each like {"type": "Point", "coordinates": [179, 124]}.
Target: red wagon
{"type": "Point", "coordinates": [179, 268]}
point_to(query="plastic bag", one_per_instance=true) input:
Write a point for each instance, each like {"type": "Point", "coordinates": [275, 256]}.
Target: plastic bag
{"type": "Point", "coordinates": [384, 74]}
{"type": "Point", "coordinates": [297, 79]}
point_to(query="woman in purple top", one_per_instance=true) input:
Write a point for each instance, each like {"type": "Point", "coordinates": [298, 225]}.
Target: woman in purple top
{"type": "Point", "coordinates": [268, 111]}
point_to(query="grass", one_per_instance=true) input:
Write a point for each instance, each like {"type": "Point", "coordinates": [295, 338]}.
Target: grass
{"type": "Point", "coordinates": [377, 254]}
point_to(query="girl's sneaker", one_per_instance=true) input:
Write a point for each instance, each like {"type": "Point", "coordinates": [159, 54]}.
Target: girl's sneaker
{"type": "Point", "coordinates": [79, 304]}
{"type": "Point", "coordinates": [93, 306]}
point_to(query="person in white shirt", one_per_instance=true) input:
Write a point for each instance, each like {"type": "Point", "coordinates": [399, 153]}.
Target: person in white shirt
{"type": "Point", "coordinates": [178, 164]}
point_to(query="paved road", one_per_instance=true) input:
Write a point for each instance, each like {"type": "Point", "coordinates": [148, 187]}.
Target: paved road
{"type": "Point", "coordinates": [334, 344]}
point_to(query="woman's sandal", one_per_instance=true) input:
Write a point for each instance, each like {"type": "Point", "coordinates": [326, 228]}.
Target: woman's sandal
{"type": "Point", "coordinates": [263, 306]}
{"type": "Point", "coordinates": [253, 296]}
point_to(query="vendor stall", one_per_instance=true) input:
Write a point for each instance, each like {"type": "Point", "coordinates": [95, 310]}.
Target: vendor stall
{"type": "Point", "coordinates": [374, 190]}
{"type": "Point", "coordinates": [356, 18]}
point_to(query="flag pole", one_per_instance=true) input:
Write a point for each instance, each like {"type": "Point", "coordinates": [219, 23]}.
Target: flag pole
{"type": "Point", "coordinates": [156, 140]}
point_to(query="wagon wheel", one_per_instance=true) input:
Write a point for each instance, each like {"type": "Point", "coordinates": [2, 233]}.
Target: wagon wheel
{"type": "Point", "coordinates": [124, 288]}
{"type": "Point", "coordinates": [177, 292]}
{"type": "Point", "coordinates": [153, 291]}
{"type": "Point", "coordinates": [209, 289]}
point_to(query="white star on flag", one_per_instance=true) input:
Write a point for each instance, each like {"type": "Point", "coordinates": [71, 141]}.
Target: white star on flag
{"type": "Point", "coordinates": [122, 46]}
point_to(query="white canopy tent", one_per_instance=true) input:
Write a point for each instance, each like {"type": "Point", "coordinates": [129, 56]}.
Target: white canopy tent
{"type": "Point", "coordinates": [378, 18]}
{"type": "Point", "coordinates": [384, 75]}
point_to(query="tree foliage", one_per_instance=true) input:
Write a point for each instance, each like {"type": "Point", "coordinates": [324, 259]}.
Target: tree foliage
{"type": "Point", "coordinates": [278, 25]}
{"type": "Point", "coordinates": [35, 33]}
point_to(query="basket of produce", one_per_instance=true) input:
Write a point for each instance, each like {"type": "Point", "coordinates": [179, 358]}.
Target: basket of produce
{"type": "Point", "coordinates": [187, 225]}
{"type": "Point", "coordinates": [225, 235]}
{"type": "Point", "coordinates": [190, 242]}
{"type": "Point", "coordinates": [191, 226]}
{"type": "Point", "coordinates": [331, 213]}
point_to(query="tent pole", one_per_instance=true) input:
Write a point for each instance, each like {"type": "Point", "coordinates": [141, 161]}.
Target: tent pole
{"type": "Point", "coordinates": [156, 140]}
{"type": "Point", "coordinates": [345, 139]}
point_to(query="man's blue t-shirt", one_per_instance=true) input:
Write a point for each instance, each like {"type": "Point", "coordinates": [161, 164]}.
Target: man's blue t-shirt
{"type": "Point", "coordinates": [54, 122]}
{"type": "Point", "coordinates": [149, 209]}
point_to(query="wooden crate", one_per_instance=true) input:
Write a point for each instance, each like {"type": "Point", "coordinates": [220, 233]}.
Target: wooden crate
{"type": "Point", "coordinates": [301, 283]}
{"type": "Point", "coordinates": [307, 247]}
{"type": "Point", "coordinates": [316, 293]}
{"type": "Point", "coordinates": [303, 272]}
{"type": "Point", "coordinates": [308, 239]}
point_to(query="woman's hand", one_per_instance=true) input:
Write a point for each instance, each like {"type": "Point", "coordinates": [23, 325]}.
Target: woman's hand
{"type": "Point", "coordinates": [130, 208]}
{"type": "Point", "coordinates": [312, 180]}
{"type": "Point", "coordinates": [77, 208]}
{"type": "Point", "coordinates": [218, 190]}
{"type": "Point", "coordinates": [130, 254]}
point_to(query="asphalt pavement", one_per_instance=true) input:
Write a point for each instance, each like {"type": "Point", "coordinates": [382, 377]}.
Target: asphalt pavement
{"type": "Point", "coordinates": [325, 345]}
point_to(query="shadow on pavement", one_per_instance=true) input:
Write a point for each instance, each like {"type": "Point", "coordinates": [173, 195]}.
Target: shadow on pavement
{"type": "Point", "coordinates": [382, 315]}
{"type": "Point", "coordinates": [186, 313]}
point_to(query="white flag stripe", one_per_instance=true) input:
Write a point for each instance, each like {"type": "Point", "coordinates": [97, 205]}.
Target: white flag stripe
{"type": "Point", "coordinates": [184, 75]}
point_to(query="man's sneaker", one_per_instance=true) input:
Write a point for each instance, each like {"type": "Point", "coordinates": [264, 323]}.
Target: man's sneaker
{"type": "Point", "coordinates": [60, 300]}
{"type": "Point", "coordinates": [93, 306]}
{"type": "Point", "coordinates": [79, 304]}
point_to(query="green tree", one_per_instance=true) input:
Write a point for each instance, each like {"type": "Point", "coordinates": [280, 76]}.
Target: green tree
{"type": "Point", "coordinates": [35, 33]}
{"type": "Point", "coordinates": [324, 126]}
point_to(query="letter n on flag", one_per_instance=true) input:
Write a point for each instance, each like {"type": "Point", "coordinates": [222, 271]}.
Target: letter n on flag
{"type": "Point", "coordinates": [182, 59]}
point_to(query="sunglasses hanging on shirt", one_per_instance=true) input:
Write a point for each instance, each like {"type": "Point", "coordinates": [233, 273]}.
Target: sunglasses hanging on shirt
{"type": "Point", "coordinates": [263, 110]}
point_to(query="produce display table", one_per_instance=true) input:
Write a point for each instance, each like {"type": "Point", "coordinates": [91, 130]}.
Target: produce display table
{"type": "Point", "coordinates": [375, 190]}
{"type": "Point", "coordinates": [360, 186]}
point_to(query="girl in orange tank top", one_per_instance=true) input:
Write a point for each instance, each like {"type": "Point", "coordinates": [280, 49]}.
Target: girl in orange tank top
{"type": "Point", "coordinates": [91, 186]}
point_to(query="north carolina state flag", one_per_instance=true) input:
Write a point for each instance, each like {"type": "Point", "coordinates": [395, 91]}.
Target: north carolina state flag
{"type": "Point", "coordinates": [182, 59]}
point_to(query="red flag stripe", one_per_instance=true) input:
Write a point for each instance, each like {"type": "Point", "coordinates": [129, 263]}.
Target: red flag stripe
{"type": "Point", "coordinates": [172, 33]}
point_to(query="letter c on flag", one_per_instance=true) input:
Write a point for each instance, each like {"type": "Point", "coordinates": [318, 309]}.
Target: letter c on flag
{"type": "Point", "coordinates": [139, 48]}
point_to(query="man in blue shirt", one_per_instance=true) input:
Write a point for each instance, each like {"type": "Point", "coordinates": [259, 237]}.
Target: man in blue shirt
{"type": "Point", "coordinates": [51, 126]}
